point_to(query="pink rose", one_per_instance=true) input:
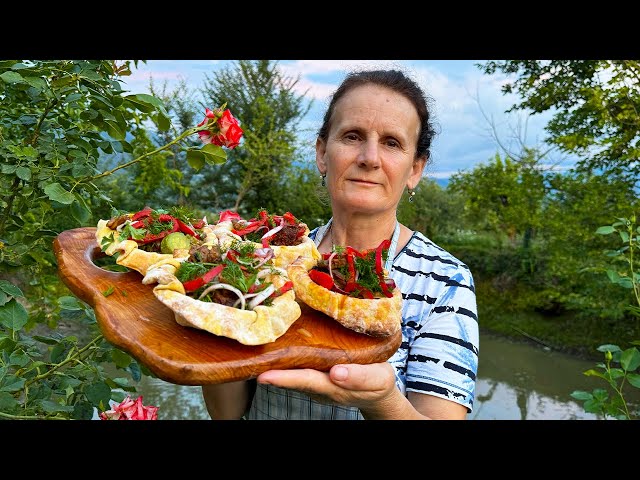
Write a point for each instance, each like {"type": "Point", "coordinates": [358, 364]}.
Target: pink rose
{"type": "Point", "coordinates": [130, 410]}
{"type": "Point", "coordinates": [223, 129]}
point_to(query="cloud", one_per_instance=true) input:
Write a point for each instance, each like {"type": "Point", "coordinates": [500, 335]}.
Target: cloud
{"type": "Point", "coordinates": [310, 70]}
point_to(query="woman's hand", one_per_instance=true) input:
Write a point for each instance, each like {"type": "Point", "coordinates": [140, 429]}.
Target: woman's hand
{"type": "Point", "coordinates": [371, 388]}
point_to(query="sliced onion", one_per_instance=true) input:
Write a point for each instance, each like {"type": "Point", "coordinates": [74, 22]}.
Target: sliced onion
{"type": "Point", "coordinates": [272, 232]}
{"type": "Point", "coordinates": [261, 297]}
{"type": "Point", "coordinates": [271, 271]}
{"type": "Point", "coordinates": [225, 286]}
{"type": "Point", "coordinates": [329, 260]}
{"type": "Point", "coordinates": [265, 259]}
{"type": "Point", "coordinates": [263, 252]}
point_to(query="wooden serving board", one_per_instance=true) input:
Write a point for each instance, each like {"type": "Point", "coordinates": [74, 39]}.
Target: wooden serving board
{"type": "Point", "coordinates": [132, 319]}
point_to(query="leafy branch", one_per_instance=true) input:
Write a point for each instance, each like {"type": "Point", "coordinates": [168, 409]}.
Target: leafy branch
{"type": "Point", "coordinates": [598, 401]}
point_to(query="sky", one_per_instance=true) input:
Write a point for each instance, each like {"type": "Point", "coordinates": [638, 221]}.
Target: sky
{"type": "Point", "coordinates": [468, 105]}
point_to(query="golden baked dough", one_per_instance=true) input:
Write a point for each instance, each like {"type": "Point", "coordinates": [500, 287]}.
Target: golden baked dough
{"type": "Point", "coordinates": [378, 317]}
{"type": "Point", "coordinates": [263, 324]}
{"type": "Point", "coordinates": [306, 250]}
{"type": "Point", "coordinates": [130, 255]}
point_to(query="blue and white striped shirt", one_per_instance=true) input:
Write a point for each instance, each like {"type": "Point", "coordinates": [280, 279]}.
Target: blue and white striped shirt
{"type": "Point", "coordinates": [440, 337]}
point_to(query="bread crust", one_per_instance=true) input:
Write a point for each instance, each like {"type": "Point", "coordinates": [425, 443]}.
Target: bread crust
{"type": "Point", "coordinates": [263, 324]}
{"type": "Point", "coordinates": [378, 317]}
{"type": "Point", "coordinates": [306, 250]}
{"type": "Point", "coordinates": [130, 255]}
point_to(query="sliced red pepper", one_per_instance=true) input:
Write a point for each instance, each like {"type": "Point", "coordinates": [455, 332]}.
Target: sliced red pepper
{"type": "Point", "coordinates": [184, 228]}
{"type": "Point", "coordinates": [301, 231]}
{"type": "Point", "coordinates": [351, 286]}
{"type": "Point", "coordinates": [199, 223]}
{"type": "Point", "coordinates": [283, 289]}
{"type": "Point", "coordinates": [232, 255]}
{"type": "Point", "coordinates": [148, 238]}
{"type": "Point", "coordinates": [255, 288]}
{"type": "Point", "coordinates": [357, 253]}
{"type": "Point", "coordinates": [385, 244]}
{"type": "Point", "coordinates": [289, 218]}
{"type": "Point", "coordinates": [352, 269]}
{"type": "Point", "coordinates": [196, 283]}
{"type": "Point", "coordinates": [321, 278]}
{"type": "Point", "coordinates": [251, 227]}
{"type": "Point", "coordinates": [229, 215]}
{"type": "Point", "coordinates": [385, 288]}
{"type": "Point", "coordinates": [145, 212]}
{"type": "Point", "coordinates": [365, 292]}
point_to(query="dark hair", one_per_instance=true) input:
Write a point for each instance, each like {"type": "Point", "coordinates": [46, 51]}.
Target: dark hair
{"type": "Point", "coordinates": [398, 82]}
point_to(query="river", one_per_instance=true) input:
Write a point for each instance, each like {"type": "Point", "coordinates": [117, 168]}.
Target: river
{"type": "Point", "coordinates": [516, 381]}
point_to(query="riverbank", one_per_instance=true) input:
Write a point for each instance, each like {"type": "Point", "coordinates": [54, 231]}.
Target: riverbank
{"type": "Point", "coordinates": [566, 332]}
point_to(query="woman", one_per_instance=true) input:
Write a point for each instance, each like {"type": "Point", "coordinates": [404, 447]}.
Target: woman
{"type": "Point", "coordinates": [374, 142]}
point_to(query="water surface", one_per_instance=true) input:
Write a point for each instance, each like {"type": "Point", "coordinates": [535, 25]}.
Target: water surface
{"type": "Point", "coordinates": [516, 381]}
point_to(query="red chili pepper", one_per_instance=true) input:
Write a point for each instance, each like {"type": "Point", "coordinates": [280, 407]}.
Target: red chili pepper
{"type": "Point", "coordinates": [148, 238]}
{"type": "Point", "coordinates": [184, 228]}
{"type": "Point", "coordinates": [283, 289]}
{"type": "Point", "coordinates": [321, 278]}
{"type": "Point", "coordinates": [229, 215]}
{"type": "Point", "coordinates": [289, 218]}
{"type": "Point", "coordinates": [255, 288]}
{"type": "Point", "coordinates": [196, 283]}
{"type": "Point", "coordinates": [351, 267]}
{"type": "Point", "coordinates": [386, 288]}
{"type": "Point", "coordinates": [384, 245]}
{"type": "Point", "coordinates": [252, 226]}
{"type": "Point", "coordinates": [301, 231]}
{"type": "Point", "coordinates": [357, 253]}
{"type": "Point", "coordinates": [365, 292]}
{"type": "Point", "coordinates": [232, 255]}
{"type": "Point", "coordinates": [145, 212]}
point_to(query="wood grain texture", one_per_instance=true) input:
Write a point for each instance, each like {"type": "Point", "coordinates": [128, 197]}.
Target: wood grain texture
{"type": "Point", "coordinates": [141, 325]}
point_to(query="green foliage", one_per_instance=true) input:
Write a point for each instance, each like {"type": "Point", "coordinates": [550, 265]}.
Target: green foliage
{"type": "Point", "coordinates": [595, 105]}
{"type": "Point", "coordinates": [541, 224]}
{"type": "Point", "coordinates": [47, 375]}
{"type": "Point", "coordinates": [266, 101]}
{"type": "Point", "coordinates": [626, 277]}
{"type": "Point", "coordinates": [577, 205]}
{"type": "Point", "coordinates": [61, 121]}
{"type": "Point", "coordinates": [503, 197]}
{"type": "Point", "coordinates": [434, 211]}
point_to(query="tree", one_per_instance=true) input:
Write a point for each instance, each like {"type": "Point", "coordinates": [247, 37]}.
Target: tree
{"type": "Point", "coordinates": [434, 211]}
{"type": "Point", "coordinates": [57, 118]}
{"type": "Point", "coordinates": [596, 106]}
{"type": "Point", "coordinates": [269, 110]}
{"type": "Point", "coordinates": [503, 196]}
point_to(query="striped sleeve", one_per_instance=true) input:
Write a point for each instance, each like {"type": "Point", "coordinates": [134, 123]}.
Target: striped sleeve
{"type": "Point", "coordinates": [439, 352]}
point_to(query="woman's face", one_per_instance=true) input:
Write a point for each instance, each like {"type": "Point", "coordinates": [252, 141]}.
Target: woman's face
{"type": "Point", "coordinates": [370, 150]}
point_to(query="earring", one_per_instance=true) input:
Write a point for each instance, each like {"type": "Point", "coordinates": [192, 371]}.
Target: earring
{"type": "Point", "coordinates": [324, 175]}
{"type": "Point", "coordinates": [412, 193]}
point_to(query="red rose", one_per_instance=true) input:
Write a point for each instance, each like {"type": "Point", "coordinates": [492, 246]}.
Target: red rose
{"type": "Point", "coordinates": [130, 410]}
{"type": "Point", "coordinates": [223, 129]}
